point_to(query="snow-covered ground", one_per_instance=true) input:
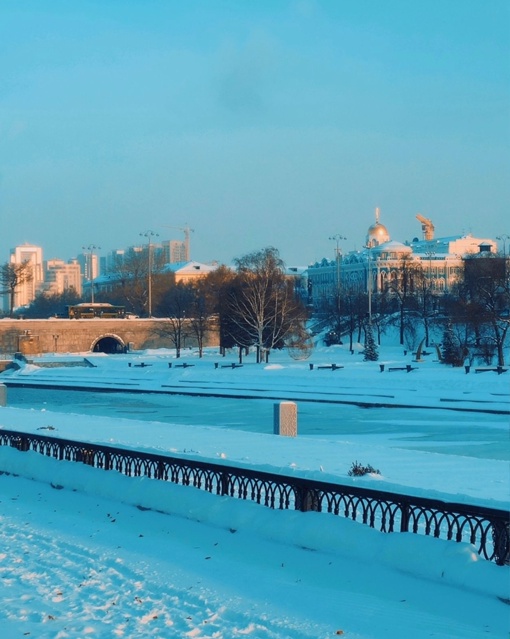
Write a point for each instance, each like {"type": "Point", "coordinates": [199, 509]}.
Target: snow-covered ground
{"type": "Point", "coordinates": [110, 556]}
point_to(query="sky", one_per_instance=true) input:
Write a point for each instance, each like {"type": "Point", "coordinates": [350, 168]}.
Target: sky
{"type": "Point", "coordinates": [85, 552]}
{"type": "Point", "coordinates": [272, 123]}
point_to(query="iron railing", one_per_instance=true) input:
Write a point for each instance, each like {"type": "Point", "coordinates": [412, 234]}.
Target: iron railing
{"type": "Point", "coordinates": [488, 529]}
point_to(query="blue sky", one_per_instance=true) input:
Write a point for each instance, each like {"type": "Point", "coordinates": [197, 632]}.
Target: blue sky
{"type": "Point", "coordinates": [256, 123]}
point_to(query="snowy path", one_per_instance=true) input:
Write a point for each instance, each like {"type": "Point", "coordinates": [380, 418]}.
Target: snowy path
{"type": "Point", "coordinates": [87, 576]}
{"type": "Point", "coordinates": [73, 565]}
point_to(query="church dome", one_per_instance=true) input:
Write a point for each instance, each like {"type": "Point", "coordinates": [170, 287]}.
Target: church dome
{"type": "Point", "coordinates": [377, 234]}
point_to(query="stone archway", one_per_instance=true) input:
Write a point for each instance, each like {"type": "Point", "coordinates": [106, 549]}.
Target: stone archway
{"type": "Point", "coordinates": [109, 343]}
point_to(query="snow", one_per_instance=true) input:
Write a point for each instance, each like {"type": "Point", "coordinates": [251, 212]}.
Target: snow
{"type": "Point", "coordinates": [89, 553]}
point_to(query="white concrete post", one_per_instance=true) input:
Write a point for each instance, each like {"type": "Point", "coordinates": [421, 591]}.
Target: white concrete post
{"type": "Point", "coordinates": [3, 395]}
{"type": "Point", "coordinates": [285, 419]}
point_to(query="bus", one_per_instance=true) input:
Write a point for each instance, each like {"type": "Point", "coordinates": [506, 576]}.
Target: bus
{"type": "Point", "coordinates": [96, 310]}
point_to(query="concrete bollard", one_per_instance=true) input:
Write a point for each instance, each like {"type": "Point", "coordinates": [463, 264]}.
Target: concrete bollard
{"type": "Point", "coordinates": [285, 419]}
{"type": "Point", "coordinates": [3, 395]}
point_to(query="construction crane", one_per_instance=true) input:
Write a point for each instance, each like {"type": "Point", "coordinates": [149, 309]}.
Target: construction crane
{"type": "Point", "coordinates": [427, 227]}
{"type": "Point", "coordinates": [187, 231]}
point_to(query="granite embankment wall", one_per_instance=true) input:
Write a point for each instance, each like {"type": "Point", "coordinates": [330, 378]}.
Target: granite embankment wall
{"type": "Point", "coordinates": [31, 337]}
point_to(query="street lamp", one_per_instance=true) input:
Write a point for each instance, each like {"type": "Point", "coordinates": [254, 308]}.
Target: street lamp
{"type": "Point", "coordinates": [337, 238]}
{"type": "Point", "coordinates": [430, 253]}
{"type": "Point", "coordinates": [369, 281]}
{"type": "Point", "coordinates": [150, 234]}
{"type": "Point", "coordinates": [91, 248]}
{"type": "Point", "coordinates": [503, 238]}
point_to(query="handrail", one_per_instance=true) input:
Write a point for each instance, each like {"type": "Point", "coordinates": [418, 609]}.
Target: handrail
{"type": "Point", "coordinates": [488, 529]}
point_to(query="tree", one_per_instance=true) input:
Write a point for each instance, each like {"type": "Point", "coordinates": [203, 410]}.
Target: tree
{"type": "Point", "coordinates": [46, 305]}
{"type": "Point", "coordinates": [262, 306]}
{"type": "Point", "coordinates": [486, 287]}
{"type": "Point", "coordinates": [215, 287]}
{"type": "Point", "coordinates": [175, 307]}
{"type": "Point", "coordinates": [12, 277]}
{"type": "Point", "coordinates": [370, 352]}
{"type": "Point", "coordinates": [425, 299]}
{"type": "Point", "coordinates": [201, 308]}
{"type": "Point", "coordinates": [130, 282]}
{"type": "Point", "coordinates": [452, 352]}
{"type": "Point", "coordinates": [401, 286]}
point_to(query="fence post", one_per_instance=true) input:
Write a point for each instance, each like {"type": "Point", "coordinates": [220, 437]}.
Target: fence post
{"type": "Point", "coordinates": [224, 483]}
{"type": "Point", "coordinates": [307, 499]}
{"type": "Point", "coordinates": [3, 395]}
{"type": "Point", "coordinates": [501, 540]}
{"type": "Point", "coordinates": [405, 511]}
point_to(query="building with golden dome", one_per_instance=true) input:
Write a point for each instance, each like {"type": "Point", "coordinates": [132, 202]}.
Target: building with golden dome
{"type": "Point", "coordinates": [378, 266]}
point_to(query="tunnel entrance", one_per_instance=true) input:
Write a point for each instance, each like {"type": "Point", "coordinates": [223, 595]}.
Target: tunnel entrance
{"type": "Point", "coordinates": [110, 344]}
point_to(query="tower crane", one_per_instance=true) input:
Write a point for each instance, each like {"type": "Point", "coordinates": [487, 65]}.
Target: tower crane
{"type": "Point", "coordinates": [427, 227]}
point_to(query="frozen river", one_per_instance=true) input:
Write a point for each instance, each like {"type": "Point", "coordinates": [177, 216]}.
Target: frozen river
{"type": "Point", "coordinates": [450, 432]}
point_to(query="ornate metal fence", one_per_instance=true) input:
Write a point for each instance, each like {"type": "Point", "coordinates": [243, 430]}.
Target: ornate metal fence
{"type": "Point", "coordinates": [488, 529]}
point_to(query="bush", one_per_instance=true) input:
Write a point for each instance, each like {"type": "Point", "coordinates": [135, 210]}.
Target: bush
{"type": "Point", "coordinates": [358, 470]}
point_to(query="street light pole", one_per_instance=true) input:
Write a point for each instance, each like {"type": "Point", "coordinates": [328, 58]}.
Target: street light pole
{"type": "Point", "coordinates": [150, 234]}
{"type": "Point", "coordinates": [91, 248]}
{"type": "Point", "coordinates": [503, 238]}
{"type": "Point", "coordinates": [430, 254]}
{"type": "Point", "coordinates": [369, 282]}
{"type": "Point", "coordinates": [337, 238]}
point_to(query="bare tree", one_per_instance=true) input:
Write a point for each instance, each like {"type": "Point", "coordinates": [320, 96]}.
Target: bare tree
{"type": "Point", "coordinates": [401, 286]}
{"type": "Point", "coordinates": [263, 307]}
{"type": "Point", "coordinates": [12, 277]}
{"type": "Point", "coordinates": [487, 289]}
{"type": "Point", "coordinates": [200, 307]}
{"type": "Point", "coordinates": [176, 307]}
{"type": "Point", "coordinates": [425, 300]}
{"type": "Point", "coordinates": [130, 281]}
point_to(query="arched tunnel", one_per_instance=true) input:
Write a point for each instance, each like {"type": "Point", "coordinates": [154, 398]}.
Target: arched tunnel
{"type": "Point", "coordinates": [109, 344]}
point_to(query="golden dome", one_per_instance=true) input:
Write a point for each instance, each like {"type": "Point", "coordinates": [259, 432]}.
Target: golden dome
{"type": "Point", "coordinates": [377, 234]}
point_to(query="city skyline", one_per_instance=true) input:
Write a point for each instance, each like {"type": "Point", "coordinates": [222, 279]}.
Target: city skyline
{"type": "Point", "coordinates": [271, 124]}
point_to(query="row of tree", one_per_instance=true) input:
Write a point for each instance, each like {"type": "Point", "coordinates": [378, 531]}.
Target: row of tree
{"type": "Point", "coordinates": [256, 304]}
{"type": "Point", "coordinates": [476, 310]}
{"type": "Point", "coordinates": [253, 305]}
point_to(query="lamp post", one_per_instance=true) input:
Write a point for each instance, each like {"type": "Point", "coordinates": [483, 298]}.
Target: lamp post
{"type": "Point", "coordinates": [369, 282]}
{"type": "Point", "coordinates": [150, 234]}
{"type": "Point", "coordinates": [503, 238]}
{"type": "Point", "coordinates": [91, 248]}
{"type": "Point", "coordinates": [337, 238]}
{"type": "Point", "coordinates": [430, 254]}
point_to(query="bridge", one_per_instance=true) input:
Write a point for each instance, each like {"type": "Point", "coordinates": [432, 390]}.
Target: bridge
{"type": "Point", "coordinates": [32, 337]}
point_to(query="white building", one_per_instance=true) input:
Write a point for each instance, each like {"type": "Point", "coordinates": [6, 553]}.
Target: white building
{"type": "Point", "coordinates": [60, 276]}
{"type": "Point", "coordinates": [89, 264]}
{"type": "Point", "coordinates": [373, 269]}
{"type": "Point", "coordinates": [33, 255]}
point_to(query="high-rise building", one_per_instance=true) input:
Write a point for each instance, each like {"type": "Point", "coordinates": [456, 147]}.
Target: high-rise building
{"type": "Point", "coordinates": [33, 255]}
{"type": "Point", "coordinates": [175, 251]}
{"type": "Point", "coordinates": [61, 276]}
{"type": "Point", "coordinates": [89, 264]}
